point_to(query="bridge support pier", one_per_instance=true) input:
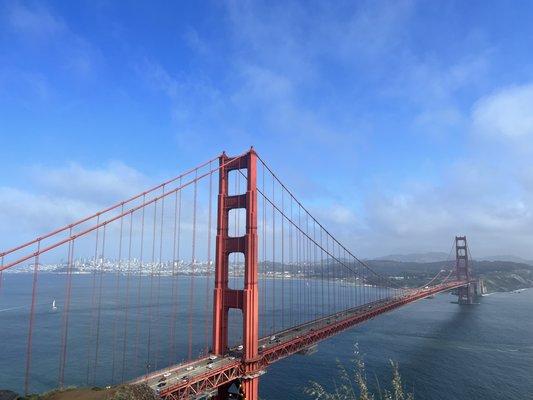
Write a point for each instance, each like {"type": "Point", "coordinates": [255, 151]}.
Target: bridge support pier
{"type": "Point", "coordinates": [467, 294]}
{"type": "Point", "coordinates": [247, 299]}
{"type": "Point", "coordinates": [251, 388]}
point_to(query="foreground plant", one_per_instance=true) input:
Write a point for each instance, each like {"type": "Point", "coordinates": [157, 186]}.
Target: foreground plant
{"type": "Point", "coordinates": [352, 385]}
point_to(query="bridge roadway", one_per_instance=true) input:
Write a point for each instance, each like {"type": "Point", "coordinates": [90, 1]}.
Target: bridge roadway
{"type": "Point", "coordinates": [200, 378]}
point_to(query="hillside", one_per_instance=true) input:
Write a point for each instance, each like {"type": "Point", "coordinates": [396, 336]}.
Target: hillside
{"type": "Point", "coordinates": [499, 276]}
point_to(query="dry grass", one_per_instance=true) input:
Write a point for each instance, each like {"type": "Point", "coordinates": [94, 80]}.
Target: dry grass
{"type": "Point", "coordinates": [124, 392]}
{"type": "Point", "coordinates": [352, 385]}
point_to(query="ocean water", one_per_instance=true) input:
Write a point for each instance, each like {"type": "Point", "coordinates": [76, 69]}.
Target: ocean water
{"type": "Point", "coordinates": [445, 351]}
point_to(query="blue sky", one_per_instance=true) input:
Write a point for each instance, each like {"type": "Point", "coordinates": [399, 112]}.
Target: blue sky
{"type": "Point", "coordinates": [400, 123]}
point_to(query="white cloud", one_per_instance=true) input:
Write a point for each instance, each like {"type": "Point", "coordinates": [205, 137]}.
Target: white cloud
{"type": "Point", "coordinates": [195, 42]}
{"type": "Point", "coordinates": [23, 211]}
{"type": "Point", "coordinates": [34, 21]}
{"type": "Point", "coordinates": [159, 79]}
{"type": "Point", "coordinates": [492, 207]}
{"type": "Point", "coordinates": [486, 194]}
{"type": "Point", "coordinates": [62, 195]}
{"type": "Point", "coordinates": [431, 88]}
{"type": "Point", "coordinates": [114, 181]}
{"type": "Point", "coordinates": [371, 30]}
{"type": "Point", "coordinates": [334, 215]}
{"type": "Point", "coordinates": [507, 112]}
{"type": "Point", "coordinates": [43, 31]}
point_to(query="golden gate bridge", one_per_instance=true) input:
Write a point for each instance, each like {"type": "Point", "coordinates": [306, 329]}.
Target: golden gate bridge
{"type": "Point", "coordinates": [196, 286]}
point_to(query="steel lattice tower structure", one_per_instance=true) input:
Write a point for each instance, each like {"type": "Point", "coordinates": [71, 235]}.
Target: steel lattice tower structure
{"type": "Point", "coordinates": [462, 266]}
{"type": "Point", "coordinates": [246, 299]}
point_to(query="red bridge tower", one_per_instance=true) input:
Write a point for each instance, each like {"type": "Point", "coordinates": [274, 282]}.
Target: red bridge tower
{"type": "Point", "coordinates": [466, 293]}
{"type": "Point", "coordinates": [246, 299]}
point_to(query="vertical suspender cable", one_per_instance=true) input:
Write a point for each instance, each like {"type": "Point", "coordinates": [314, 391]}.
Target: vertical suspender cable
{"type": "Point", "coordinates": [117, 296]}
{"type": "Point", "coordinates": [32, 316]}
{"type": "Point", "coordinates": [99, 305]}
{"type": "Point", "coordinates": [328, 272]}
{"type": "Point", "coordinates": [335, 272]}
{"type": "Point", "coordinates": [172, 334]}
{"type": "Point", "coordinates": [282, 262]}
{"type": "Point", "coordinates": [139, 289]}
{"type": "Point", "coordinates": [308, 248]}
{"type": "Point", "coordinates": [158, 293]}
{"type": "Point", "coordinates": [207, 286]}
{"type": "Point", "coordinates": [311, 300]}
{"type": "Point", "coordinates": [193, 261]}
{"type": "Point", "coordinates": [366, 287]}
{"type": "Point", "coordinates": [357, 283]}
{"type": "Point", "coordinates": [150, 305]}
{"type": "Point", "coordinates": [93, 301]}
{"type": "Point", "coordinates": [322, 272]}
{"type": "Point", "coordinates": [127, 301]}
{"type": "Point", "coordinates": [66, 309]}
{"type": "Point", "coordinates": [177, 242]}
{"type": "Point", "coordinates": [354, 283]}
{"type": "Point", "coordinates": [341, 281]}
{"type": "Point", "coordinates": [299, 262]}
{"type": "Point", "coordinates": [313, 266]}
{"type": "Point", "coordinates": [291, 263]}
{"type": "Point", "coordinates": [347, 279]}
{"type": "Point", "coordinates": [273, 259]}
{"type": "Point", "coordinates": [264, 240]}
{"type": "Point", "coordinates": [263, 243]}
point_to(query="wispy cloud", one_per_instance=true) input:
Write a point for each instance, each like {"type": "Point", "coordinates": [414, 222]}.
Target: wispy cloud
{"type": "Point", "coordinates": [506, 112]}
{"type": "Point", "coordinates": [58, 196]}
{"type": "Point", "coordinates": [195, 42]}
{"type": "Point", "coordinates": [36, 22]}
{"type": "Point", "coordinates": [22, 86]}
{"type": "Point", "coordinates": [108, 183]}
{"type": "Point", "coordinates": [37, 28]}
{"type": "Point", "coordinates": [474, 199]}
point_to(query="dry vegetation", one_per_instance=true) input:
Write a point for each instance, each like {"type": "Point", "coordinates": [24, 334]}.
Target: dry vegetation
{"type": "Point", "coordinates": [352, 385]}
{"type": "Point", "coordinates": [124, 392]}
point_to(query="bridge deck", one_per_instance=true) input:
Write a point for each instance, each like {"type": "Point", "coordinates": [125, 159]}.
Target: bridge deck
{"type": "Point", "coordinates": [203, 376]}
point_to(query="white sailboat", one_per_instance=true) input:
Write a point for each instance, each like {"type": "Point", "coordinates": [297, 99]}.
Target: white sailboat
{"type": "Point", "coordinates": [54, 307]}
